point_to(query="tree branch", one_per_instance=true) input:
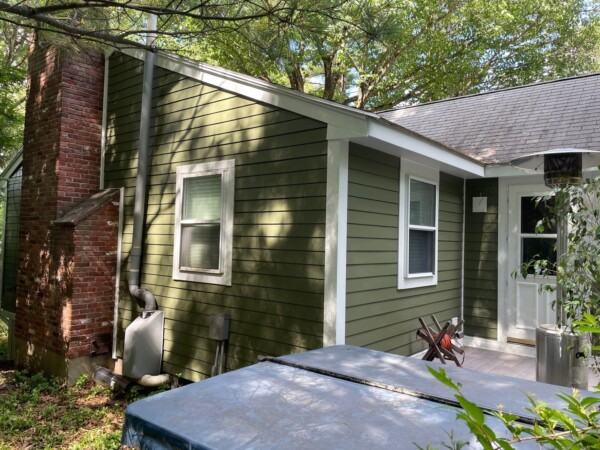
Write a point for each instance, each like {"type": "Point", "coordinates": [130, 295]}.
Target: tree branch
{"type": "Point", "coordinates": [71, 30]}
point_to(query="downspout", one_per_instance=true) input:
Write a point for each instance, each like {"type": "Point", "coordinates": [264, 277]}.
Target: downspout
{"type": "Point", "coordinates": [143, 345]}
{"type": "Point", "coordinates": [142, 180]}
{"type": "Point", "coordinates": [145, 331]}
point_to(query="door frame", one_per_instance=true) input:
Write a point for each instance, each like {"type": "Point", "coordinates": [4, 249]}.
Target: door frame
{"type": "Point", "coordinates": [504, 272]}
{"type": "Point", "coordinates": [539, 302]}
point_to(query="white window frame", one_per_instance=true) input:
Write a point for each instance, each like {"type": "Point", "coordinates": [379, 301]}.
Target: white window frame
{"type": "Point", "coordinates": [226, 169]}
{"type": "Point", "coordinates": [410, 170]}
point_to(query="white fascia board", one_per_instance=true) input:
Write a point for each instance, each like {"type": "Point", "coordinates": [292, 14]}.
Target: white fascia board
{"type": "Point", "coordinates": [359, 130]}
{"type": "Point", "coordinates": [12, 166]}
{"type": "Point", "coordinates": [506, 170]}
{"type": "Point", "coordinates": [341, 117]}
{"type": "Point", "coordinates": [409, 143]}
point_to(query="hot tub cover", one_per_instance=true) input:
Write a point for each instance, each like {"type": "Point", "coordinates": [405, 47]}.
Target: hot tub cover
{"type": "Point", "coordinates": [338, 397]}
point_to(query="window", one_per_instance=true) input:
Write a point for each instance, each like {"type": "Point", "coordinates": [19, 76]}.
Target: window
{"type": "Point", "coordinates": [418, 225]}
{"type": "Point", "coordinates": [204, 222]}
{"type": "Point", "coordinates": [535, 245]}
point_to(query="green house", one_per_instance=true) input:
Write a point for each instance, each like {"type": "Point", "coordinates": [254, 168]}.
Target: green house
{"type": "Point", "coordinates": [10, 183]}
{"type": "Point", "coordinates": [311, 223]}
{"type": "Point", "coordinates": [315, 244]}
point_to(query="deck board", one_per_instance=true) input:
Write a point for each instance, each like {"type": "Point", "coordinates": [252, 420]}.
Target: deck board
{"type": "Point", "coordinates": [498, 363]}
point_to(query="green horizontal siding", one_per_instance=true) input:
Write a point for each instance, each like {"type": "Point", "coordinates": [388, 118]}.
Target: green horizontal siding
{"type": "Point", "coordinates": [10, 254]}
{"type": "Point", "coordinates": [481, 261]}
{"type": "Point", "coordinates": [378, 315]}
{"type": "Point", "coordinates": [276, 300]}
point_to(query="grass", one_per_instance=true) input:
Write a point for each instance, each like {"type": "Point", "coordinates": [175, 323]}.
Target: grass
{"type": "Point", "coordinates": [41, 413]}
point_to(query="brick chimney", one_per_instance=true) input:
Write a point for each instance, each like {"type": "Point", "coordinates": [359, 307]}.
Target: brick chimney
{"type": "Point", "coordinates": [68, 228]}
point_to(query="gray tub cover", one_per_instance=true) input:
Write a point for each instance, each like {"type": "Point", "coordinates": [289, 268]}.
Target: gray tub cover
{"type": "Point", "coordinates": [274, 406]}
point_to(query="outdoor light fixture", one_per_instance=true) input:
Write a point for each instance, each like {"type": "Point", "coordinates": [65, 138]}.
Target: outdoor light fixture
{"type": "Point", "coordinates": [561, 167]}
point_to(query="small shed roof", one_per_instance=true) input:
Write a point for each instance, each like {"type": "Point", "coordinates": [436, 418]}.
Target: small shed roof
{"type": "Point", "coordinates": [88, 206]}
{"type": "Point", "coordinates": [498, 126]}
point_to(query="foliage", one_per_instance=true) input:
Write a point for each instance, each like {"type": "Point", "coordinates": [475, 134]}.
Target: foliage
{"type": "Point", "coordinates": [138, 392]}
{"type": "Point", "coordinates": [376, 54]}
{"type": "Point", "coordinates": [40, 412]}
{"type": "Point", "coordinates": [36, 412]}
{"type": "Point", "coordinates": [578, 272]}
{"type": "Point", "coordinates": [577, 426]}
{"type": "Point", "coordinates": [13, 51]}
{"type": "Point", "coordinates": [124, 23]}
{"type": "Point", "coordinates": [373, 54]}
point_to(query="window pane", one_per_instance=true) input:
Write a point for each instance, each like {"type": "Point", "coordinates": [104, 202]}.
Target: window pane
{"type": "Point", "coordinates": [422, 203]}
{"type": "Point", "coordinates": [421, 251]}
{"type": "Point", "coordinates": [532, 212]}
{"type": "Point", "coordinates": [202, 198]}
{"type": "Point", "coordinates": [538, 248]}
{"type": "Point", "coordinates": [200, 246]}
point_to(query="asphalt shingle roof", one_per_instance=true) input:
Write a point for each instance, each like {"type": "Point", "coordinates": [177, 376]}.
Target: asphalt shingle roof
{"type": "Point", "coordinates": [498, 126]}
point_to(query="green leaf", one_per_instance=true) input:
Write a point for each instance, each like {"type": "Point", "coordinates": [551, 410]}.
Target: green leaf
{"type": "Point", "coordinates": [443, 378]}
{"type": "Point", "coordinates": [473, 411]}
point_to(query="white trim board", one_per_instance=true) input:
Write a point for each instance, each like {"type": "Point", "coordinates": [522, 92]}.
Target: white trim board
{"type": "Point", "coordinates": [411, 170]}
{"type": "Point", "coordinates": [334, 310]}
{"type": "Point", "coordinates": [488, 344]}
{"type": "Point", "coordinates": [503, 347]}
{"type": "Point", "coordinates": [503, 269]}
{"type": "Point", "coordinates": [118, 274]}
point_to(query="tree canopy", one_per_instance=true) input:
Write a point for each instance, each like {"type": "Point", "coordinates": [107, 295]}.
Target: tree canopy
{"type": "Point", "coordinates": [376, 54]}
{"type": "Point", "coordinates": [13, 52]}
{"type": "Point", "coordinates": [371, 54]}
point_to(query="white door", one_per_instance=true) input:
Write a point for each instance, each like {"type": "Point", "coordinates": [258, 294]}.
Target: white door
{"type": "Point", "coordinates": [527, 307]}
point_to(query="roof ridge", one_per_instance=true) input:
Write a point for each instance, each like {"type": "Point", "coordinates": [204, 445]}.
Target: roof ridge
{"type": "Point", "coordinates": [480, 94]}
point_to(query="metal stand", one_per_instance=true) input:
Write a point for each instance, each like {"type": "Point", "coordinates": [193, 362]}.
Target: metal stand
{"type": "Point", "coordinates": [218, 329]}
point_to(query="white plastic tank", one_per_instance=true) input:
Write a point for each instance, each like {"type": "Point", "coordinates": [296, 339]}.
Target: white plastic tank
{"type": "Point", "coordinates": [143, 349]}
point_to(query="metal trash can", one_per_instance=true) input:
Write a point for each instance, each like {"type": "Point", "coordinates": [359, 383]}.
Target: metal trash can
{"type": "Point", "coordinates": [561, 357]}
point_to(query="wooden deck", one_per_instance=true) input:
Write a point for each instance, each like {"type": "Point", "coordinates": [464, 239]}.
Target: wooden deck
{"type": "Point", "coordinates": [498, 363]}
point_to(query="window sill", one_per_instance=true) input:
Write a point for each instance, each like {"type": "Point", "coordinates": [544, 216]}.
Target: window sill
{"type": "Point", "coordinates": [416, 282]}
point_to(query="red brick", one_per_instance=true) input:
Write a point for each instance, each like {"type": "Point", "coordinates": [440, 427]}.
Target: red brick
{"type": "Point", "coordinates": [59, 266]}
